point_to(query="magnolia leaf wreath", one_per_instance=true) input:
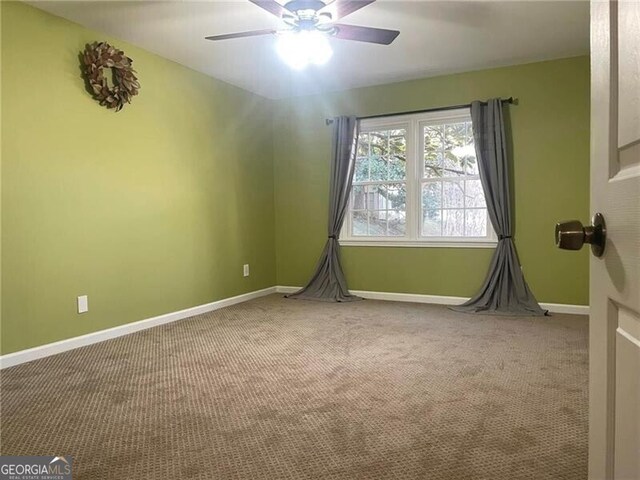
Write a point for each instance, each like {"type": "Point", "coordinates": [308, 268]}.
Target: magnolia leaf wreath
{"type": "Point", "coordinates": [99, 56]}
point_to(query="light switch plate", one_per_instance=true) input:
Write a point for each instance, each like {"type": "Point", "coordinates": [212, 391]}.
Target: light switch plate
{"type": "Point", "coordinates": [83, 304]}
{"type": "Point", "coordinates": [245, 270]}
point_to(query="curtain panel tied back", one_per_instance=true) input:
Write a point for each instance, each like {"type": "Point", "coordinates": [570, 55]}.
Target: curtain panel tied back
{"type": "Point", "coordinates": [505, 291]}
{"type": "Point", "coordinates": [328, 282]}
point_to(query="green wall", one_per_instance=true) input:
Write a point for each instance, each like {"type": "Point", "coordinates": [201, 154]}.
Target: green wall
{"type": "Point", "coordinates": [148, 211]}
{"type": "Point", "coordinates": [550, 168]}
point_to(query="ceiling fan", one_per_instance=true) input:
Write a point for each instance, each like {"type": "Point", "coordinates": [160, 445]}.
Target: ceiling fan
{"type": "Point", "coordinates": [310, 23]}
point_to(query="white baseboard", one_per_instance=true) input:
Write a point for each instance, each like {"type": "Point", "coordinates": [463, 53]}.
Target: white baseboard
{"type": "Point", "coordinates": [566, 308]}
{"type": "Point", "coordinates": [23, 356]}
{"type": "Point", "coordinates": [443, 300]}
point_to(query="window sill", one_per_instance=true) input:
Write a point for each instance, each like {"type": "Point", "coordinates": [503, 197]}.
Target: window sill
{"type": "Point", "coordinates": [418, 243]}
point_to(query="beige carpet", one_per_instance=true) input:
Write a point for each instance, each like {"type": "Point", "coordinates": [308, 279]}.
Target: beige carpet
{"type": "Point", "coordinates": [286, 389]}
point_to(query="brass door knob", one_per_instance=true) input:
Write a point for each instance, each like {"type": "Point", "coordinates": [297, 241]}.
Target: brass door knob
{"type": "Point", "coordinates": [571, 235]}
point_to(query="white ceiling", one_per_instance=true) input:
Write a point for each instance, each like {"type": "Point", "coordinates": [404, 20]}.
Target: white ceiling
{"type": "Point", "coordinates": [436, 38]}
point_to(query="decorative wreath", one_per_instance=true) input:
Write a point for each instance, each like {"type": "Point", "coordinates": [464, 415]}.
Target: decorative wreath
{"type": "Point", "coordinates": [99, 56]}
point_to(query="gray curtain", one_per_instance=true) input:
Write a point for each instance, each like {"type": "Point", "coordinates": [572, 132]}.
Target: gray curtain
{"type": "Point", "coordinates": [504, 292]}
{"type": "Point", "coordinates": [328, 283]}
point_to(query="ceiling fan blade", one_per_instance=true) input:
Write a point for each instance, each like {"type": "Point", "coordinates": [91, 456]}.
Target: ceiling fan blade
{"type": "Point", "coordinates": [365, 34]}
{"type": "Point", "coordinates": [272, 7]}
{"type": "Point", "coordinates": [252, 33]}
{"type": "Point", "coordinates": [341, 8]}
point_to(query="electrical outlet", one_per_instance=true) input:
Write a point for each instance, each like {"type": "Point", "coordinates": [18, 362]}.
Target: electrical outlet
{"type": "Point", "coordinates": [83, 304]}
{"type": "Point", "coordinates": [245, 270]}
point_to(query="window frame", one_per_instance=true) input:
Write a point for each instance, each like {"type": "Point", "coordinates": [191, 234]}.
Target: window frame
{"type": "Point", "coordinates": [414, 124]}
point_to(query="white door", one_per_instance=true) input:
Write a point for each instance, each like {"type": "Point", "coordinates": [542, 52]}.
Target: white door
{"type": "Point", "coordinates": [614, 329]}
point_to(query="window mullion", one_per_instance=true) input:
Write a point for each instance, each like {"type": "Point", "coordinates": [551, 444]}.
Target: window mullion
{"type": "Point", "coordinates": [418, 174]}
{"type": "Point", "coordinates": [411, 181]}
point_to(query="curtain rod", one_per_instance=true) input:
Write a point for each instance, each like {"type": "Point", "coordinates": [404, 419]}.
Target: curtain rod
{"type": "Point", "coordinates": [512, 100]}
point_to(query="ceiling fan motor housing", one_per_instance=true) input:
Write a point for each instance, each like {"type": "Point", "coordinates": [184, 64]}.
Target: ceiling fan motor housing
{"type": "Point", "coordinates": [304, 7]}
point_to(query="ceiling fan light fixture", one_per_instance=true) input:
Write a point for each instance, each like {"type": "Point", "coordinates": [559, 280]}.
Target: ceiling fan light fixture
{"type": "Point", "coordinates": [301, 48]}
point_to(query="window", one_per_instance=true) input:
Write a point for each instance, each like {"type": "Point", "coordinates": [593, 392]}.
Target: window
{"type": "Point", "coordinates": [416, 183]}
{"type": "Point", "coordinates": [379, 196]}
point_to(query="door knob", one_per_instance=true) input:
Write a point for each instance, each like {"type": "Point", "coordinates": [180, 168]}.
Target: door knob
{"type": "Point", "coordinates": [571, 235]}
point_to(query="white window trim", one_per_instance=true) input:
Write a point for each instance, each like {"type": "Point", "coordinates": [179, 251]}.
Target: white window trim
{"type": "Point", "coordinates": [415, 145]}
